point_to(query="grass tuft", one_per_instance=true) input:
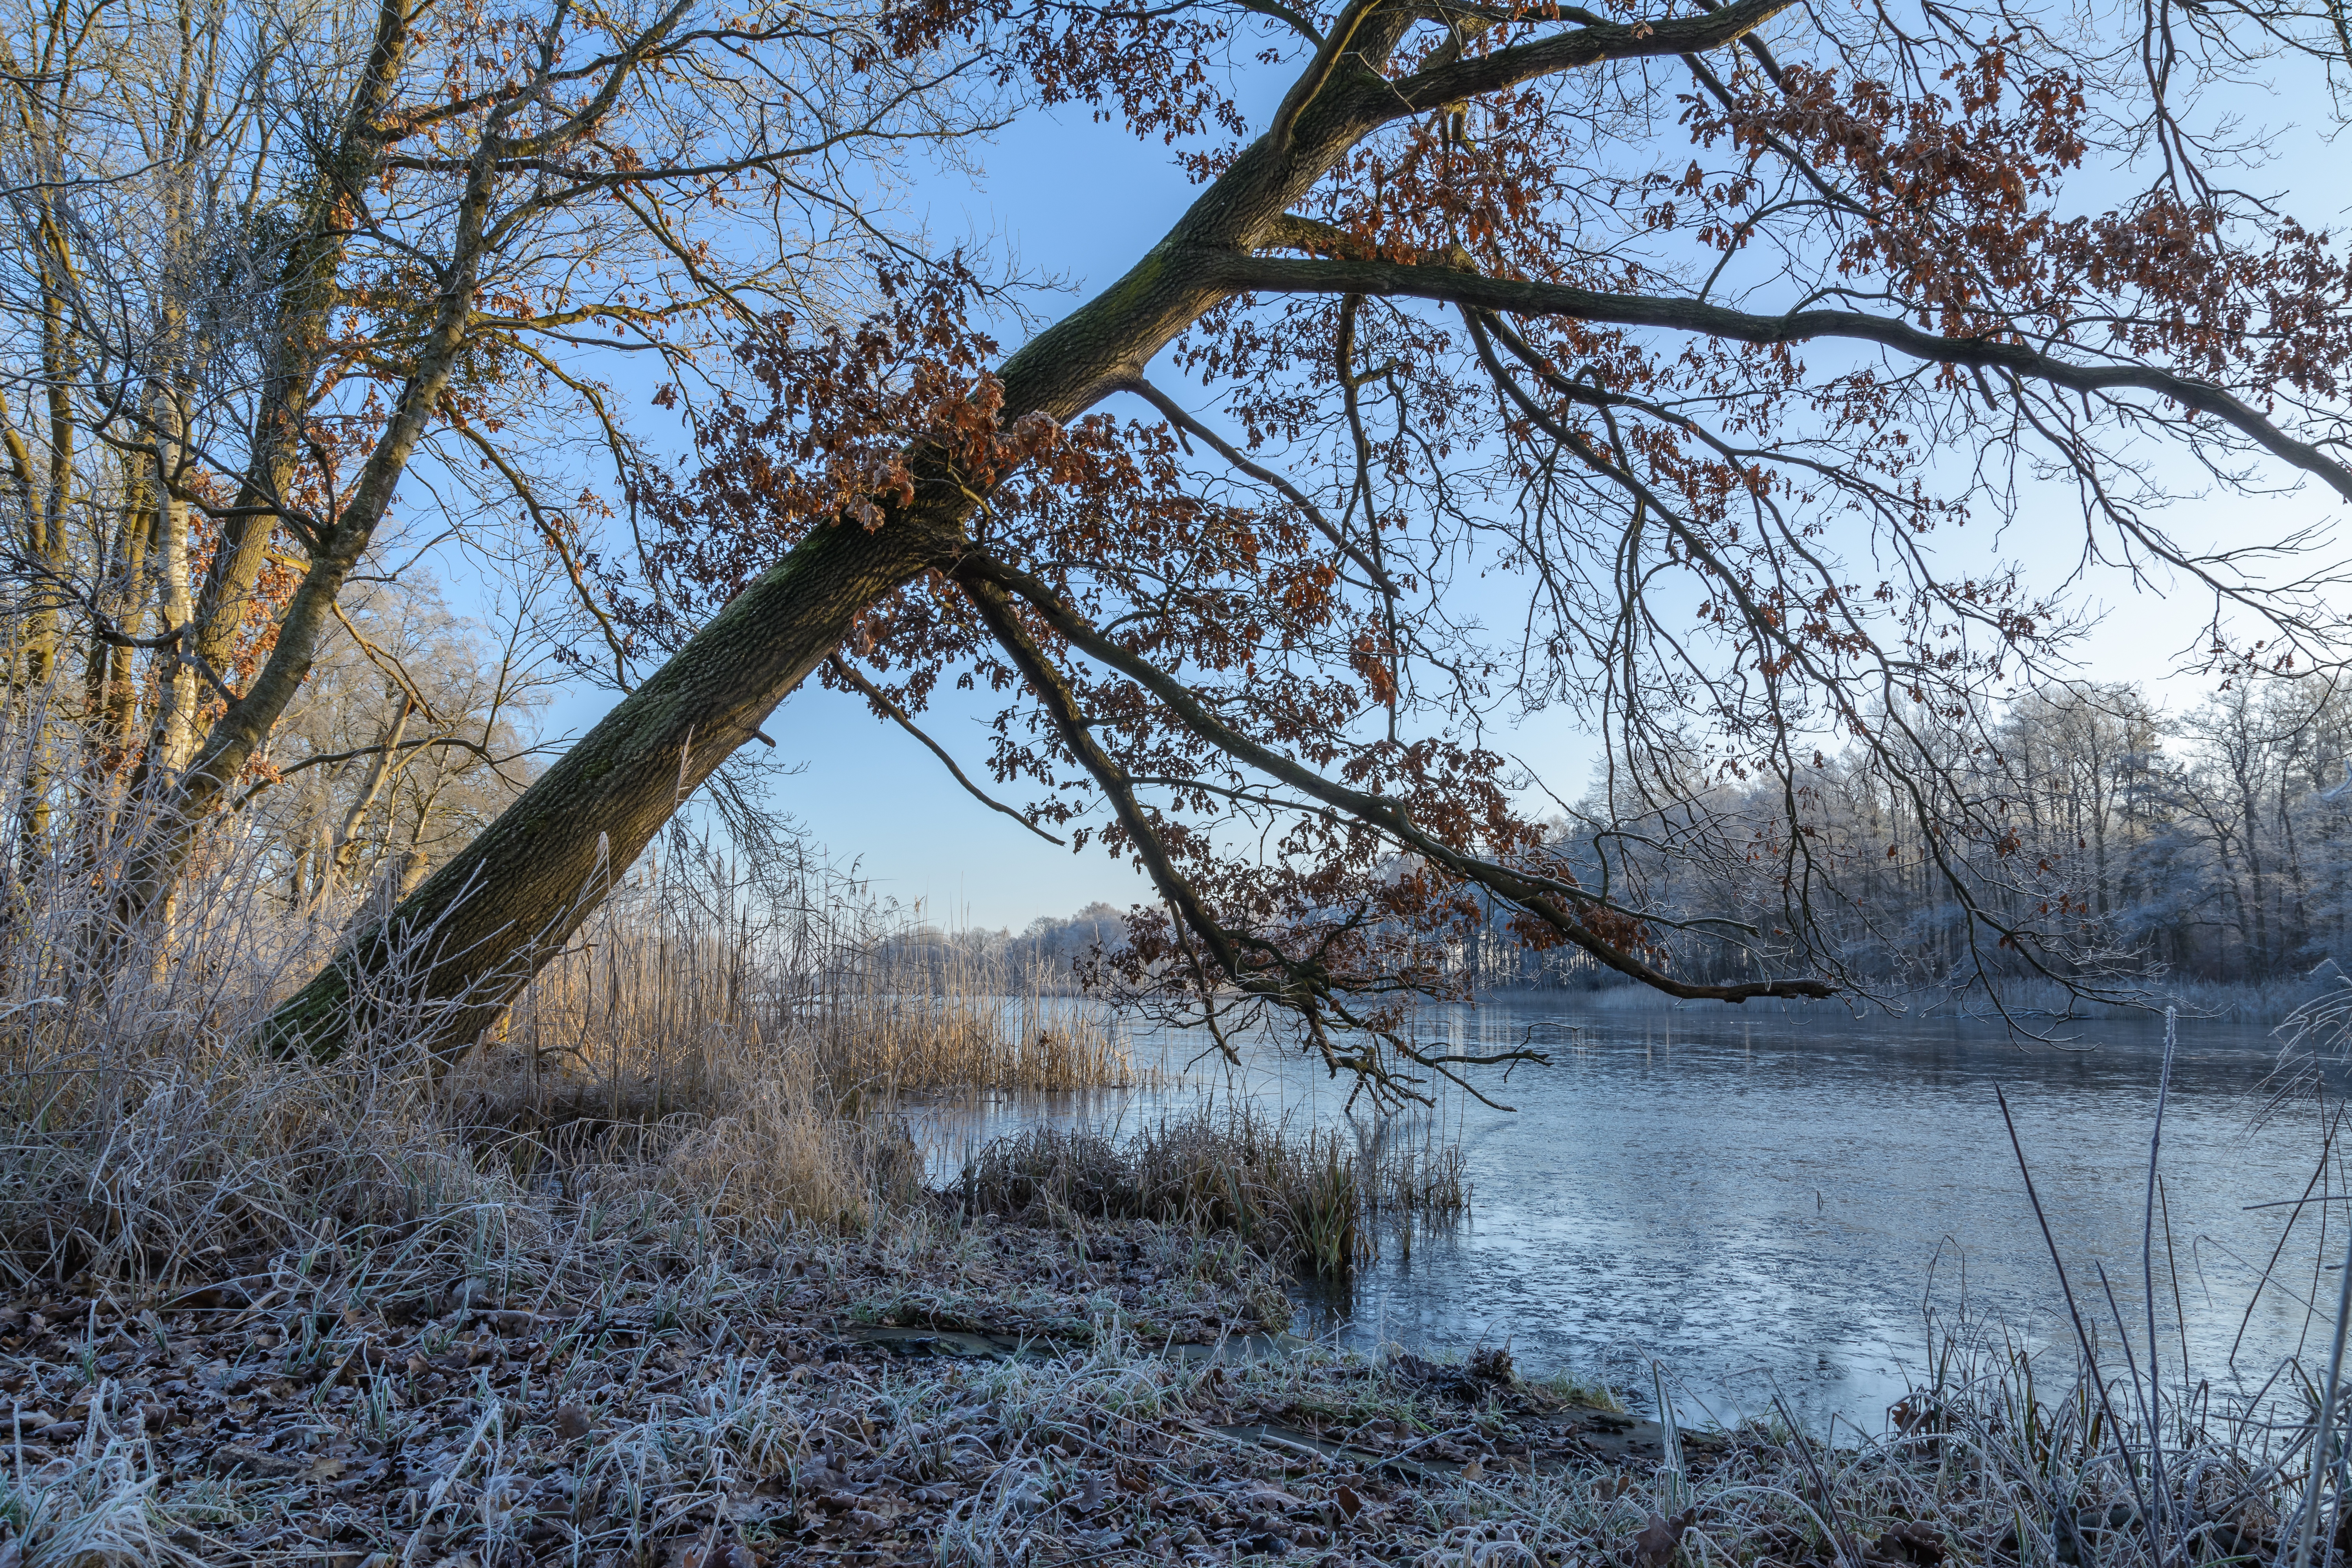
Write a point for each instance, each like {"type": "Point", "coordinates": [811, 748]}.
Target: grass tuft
{"type": "Point", "coordinates": [1305, 1194]}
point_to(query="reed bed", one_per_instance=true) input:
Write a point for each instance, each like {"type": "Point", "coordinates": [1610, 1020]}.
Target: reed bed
{"type": "Point", "coordinates": [1302, 1193]}
{"type": "Point", "coordinates": [690, 1044]}
{"type": "Point", "coordinates": [650, 1009]}
{"type": "Point", "coordinates": [149, 1155]}
{"type": "Point", "coordinates": [888, 1024]}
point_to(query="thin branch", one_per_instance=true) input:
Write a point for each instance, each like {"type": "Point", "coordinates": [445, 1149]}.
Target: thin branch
{"type": "Point", "coordinates": [1175, 414]}
{"type": "Point", "coordinates": [882, 703]}
{"type": "Point", "coordinates": [1543, 896]}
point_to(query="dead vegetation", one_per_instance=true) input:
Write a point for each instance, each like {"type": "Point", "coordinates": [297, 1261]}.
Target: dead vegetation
{"type": "Point", "coordinates": [1318, 1198]}
{"type": "Point", "coordinates": [890, 1027]}
{"type": "Point", "coordinates": [633, 1384]}
{"type": "Point", "coordinates": [654, 1280]}
{"type": "Point", "coordinates": [692, 1045]}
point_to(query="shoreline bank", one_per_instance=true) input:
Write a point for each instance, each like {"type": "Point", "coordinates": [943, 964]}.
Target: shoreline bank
{"type": "Point", "coordinates": [636, 1390]}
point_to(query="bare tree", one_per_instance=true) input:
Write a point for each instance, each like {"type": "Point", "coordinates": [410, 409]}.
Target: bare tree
{"type": "Point", "coordinates": [1629, 363]}
{"type": "Point", "coordinates": [270, 262]}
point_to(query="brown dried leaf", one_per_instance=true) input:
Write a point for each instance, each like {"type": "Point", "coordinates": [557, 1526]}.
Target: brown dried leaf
{"type": "Point", "coordinates": [1913, 1544]}
{"type": "Point", "coordinates": [1658, 1541]}
{"type": "Point", "coordinates": [234, 1459]}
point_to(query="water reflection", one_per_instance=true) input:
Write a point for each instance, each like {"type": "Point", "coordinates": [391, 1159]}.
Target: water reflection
{"type": "Point", "coordinates": [1772, 1200]}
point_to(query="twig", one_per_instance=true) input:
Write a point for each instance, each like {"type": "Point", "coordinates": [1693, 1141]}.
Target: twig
{"type": "Point", "coordinates": [881, 700]}
{"type": "Point", "coordinates": [2082, 1335]}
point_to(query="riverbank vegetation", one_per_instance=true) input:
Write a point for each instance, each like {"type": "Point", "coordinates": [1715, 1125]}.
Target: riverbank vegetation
{"type": "Point", "coordinates": [649, 1279]}
{"type": "Point", "coordinates": [627, 1379]}
{"type": "Point", "coordinates": [655, 1276]}
{"type": "Point", "coordinates": [1315, 1198]}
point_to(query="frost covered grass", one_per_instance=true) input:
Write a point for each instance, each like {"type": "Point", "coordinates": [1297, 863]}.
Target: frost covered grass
{"type": "Point", "coordinates": [637, 1385]}
{"type": "Point", "coordinates": [651, 1279]}
{"type": "Point", "coordinates": [559, 1381]}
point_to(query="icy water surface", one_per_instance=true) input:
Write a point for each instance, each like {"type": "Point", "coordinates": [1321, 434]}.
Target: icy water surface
{"type": "Point", "coordinates": [1760, 1200]}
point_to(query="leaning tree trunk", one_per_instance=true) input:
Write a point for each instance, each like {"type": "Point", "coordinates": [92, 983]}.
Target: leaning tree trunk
{"type": "Point", "coordinates": [461, 946]}
{"type": "Point", "coordinates": [458, 949]}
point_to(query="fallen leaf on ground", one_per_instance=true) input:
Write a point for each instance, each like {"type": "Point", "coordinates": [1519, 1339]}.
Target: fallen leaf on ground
{"type": "Point", "coordinates": [1911, 1544]}
{"type": "Point", "coordinates": [232, 1458]}
{"type": "Point", "coordinates": [1656, 1544]}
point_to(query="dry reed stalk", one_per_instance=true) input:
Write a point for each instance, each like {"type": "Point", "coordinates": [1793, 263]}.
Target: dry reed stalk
{"type": "Point", "coordinates": [890, 1025]}
{"type": "Point", "coordinates": [693, 1042]}
{"type": "Point", "coordinates": [147, 1140]}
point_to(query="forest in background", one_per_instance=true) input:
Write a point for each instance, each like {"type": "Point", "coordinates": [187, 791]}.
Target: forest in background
{"type": "Point", "coordinates": [2209, 847]}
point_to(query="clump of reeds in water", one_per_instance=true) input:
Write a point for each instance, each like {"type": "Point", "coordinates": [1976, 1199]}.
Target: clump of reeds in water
{"type": "Point", "coordinates": [889, 1024]}
{"type": "Point", "coordinates": [1304, 1193]}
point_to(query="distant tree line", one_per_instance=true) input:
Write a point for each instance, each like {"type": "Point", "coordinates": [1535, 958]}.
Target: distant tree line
{"type": "Point", "coordinates": [2211, 845]}
{"type": "Point", "coordinates": [1051, 952]}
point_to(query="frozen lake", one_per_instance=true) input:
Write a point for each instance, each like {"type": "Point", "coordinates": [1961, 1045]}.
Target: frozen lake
{"type": "Point", "coordinates": [1771, 1197]}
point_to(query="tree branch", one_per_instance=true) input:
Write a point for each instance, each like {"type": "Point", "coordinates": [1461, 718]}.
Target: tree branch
{"type": "Point", "coordinates": [1542, 897]}
{"type": "Point", "coordinates": [882, 704]}
{"type": "Point", "coordinates": [1389, 279]}
{"type": "Point", "coordinates": [1506, 68]}
{"type": "Point", "coordinates": [1176, 415]}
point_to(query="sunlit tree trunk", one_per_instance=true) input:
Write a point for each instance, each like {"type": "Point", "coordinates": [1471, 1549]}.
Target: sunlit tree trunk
{"type": "Point", "coordinates": [344, 852]}
{"type": "Point", "coordinates": [480, 926]}
{"type": "Point", "coordinates": [178, 694]}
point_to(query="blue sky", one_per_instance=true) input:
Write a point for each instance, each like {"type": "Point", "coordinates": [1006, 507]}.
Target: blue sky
{"type": "Point", "coordinates": [1080, 200]}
